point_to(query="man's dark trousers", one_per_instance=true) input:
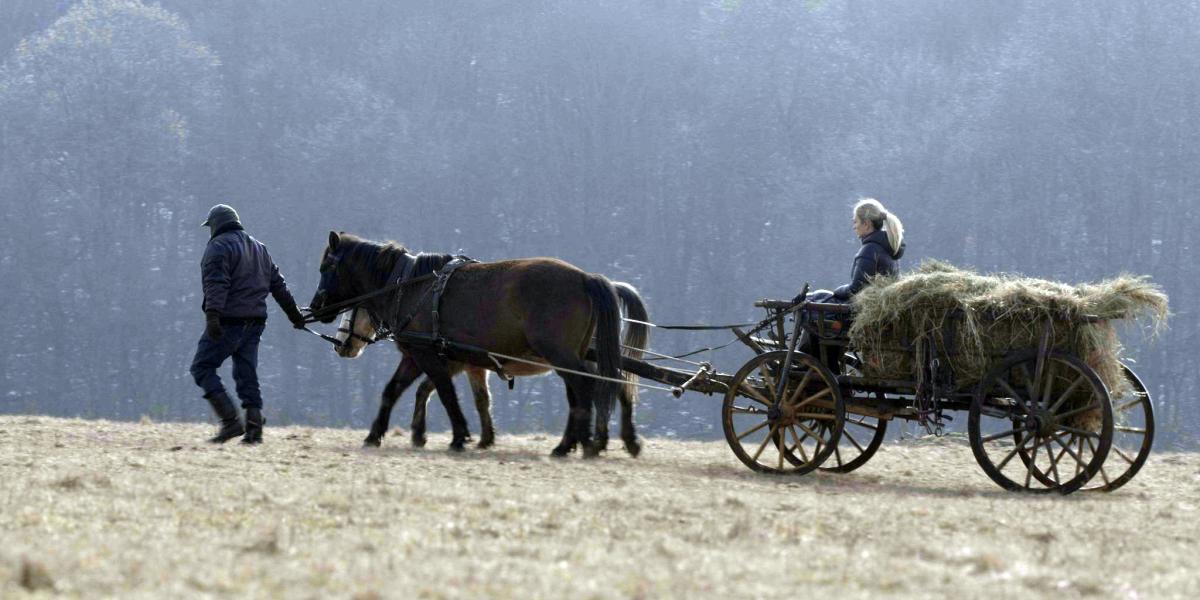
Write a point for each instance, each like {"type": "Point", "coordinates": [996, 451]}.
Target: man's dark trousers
{"type": "Point", "coordinates": [240, 341]}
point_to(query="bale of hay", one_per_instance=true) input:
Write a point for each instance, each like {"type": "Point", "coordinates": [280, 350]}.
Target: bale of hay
{"type": "Point", "coordinates": [897, 319]}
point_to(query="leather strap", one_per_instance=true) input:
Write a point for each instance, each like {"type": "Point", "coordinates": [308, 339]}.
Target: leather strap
{"type": "Point", "coordinates": [439, 287]}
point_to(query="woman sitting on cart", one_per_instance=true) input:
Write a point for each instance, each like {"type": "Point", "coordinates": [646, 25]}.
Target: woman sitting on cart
{"type": "Point", "coordinates": [882, 236]}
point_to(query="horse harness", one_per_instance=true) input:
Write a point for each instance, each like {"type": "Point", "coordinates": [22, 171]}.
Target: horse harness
{"type": "Point", "coordinates": [405, 269]}
{"type": "Point", "coordinates": [439, 288]}
{"type": "Point", "coordinates": [400, 277]}
{"type": "Point", "coordinates": [349, 329]}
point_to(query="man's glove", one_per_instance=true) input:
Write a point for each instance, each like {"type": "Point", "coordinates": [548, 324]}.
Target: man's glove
{"type": "Point", "coordinates": [212, 325]}
{"type": "Point", "coordinates": [293, 315]}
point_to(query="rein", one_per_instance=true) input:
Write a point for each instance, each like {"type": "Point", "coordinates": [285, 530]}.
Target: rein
{"type": "Point", "coordinates": [382, 329]}
{"type": "Point", "coordinates": [329, 338]}
{"type": "Point", "coordinates": [350, 333]}
{"type": "Point", "coordinates": [340, 307]}
{"type": "Point", "coordinates": [692, 327]}
{"type": "Point", "coordinates": [381, 333]}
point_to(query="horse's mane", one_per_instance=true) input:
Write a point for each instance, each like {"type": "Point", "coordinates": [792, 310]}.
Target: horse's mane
{"type": "Point", "coordinates": [381, 257]}
{"type": "Point", "coordinates": [428, 262]}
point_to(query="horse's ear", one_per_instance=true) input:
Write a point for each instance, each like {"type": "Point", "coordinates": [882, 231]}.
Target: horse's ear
{"type": "Point", "coordinates": [334, 238]}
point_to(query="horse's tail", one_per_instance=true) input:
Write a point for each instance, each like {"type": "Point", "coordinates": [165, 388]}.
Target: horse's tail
{"type": "Point", "coordinates": [636, 334]}
{"type": "Point", "coordinates": [607, 312]}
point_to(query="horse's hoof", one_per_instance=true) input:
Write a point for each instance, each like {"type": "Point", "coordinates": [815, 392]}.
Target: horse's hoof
{"type": "Point", "coordinates": [633, 447]}
{"type": "Point", "coordinates": [601, 443]}
{"type": "Point", "coordinates": [418, 441]}
{"type": "Point", "coordinates": [457, 445]}
{"type": "Point", "coordinates": [590, 450]}
{"type": "Point", "coordinates": [486, 443]}
{"type": "Point", "coordinates": [560, 451]}
{"type": "Point", "coordinates": [372, 442]}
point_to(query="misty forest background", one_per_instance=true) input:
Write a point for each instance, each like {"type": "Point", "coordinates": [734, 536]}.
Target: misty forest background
{"type": "Point", "coordinates": [706, 151]}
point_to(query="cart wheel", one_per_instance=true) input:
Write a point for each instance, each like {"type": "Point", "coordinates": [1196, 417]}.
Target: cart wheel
{"type": "Point", "coordinates": [778, 435]}
{"type": "Point", "coordinates": [861, 434]}
{"type": "Point", "coordinates": [1056, 415]}
{"type": "Point", "coordinates": [1133, 435]}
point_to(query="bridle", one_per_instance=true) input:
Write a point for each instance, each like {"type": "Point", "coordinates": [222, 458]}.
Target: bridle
{"type": "Point", "coordinates": [399, 277]}
{"type": "Point", "coordinates": [352, 334]}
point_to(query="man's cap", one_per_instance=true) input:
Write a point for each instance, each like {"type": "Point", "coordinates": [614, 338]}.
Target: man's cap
{"type": "Point", "coordinates": [220, 215]}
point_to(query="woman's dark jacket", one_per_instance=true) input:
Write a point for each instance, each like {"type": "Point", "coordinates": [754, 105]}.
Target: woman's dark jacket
{"type": "Point", "coordinates": [238, 273]}
{"type": "Point", "coordinates": [874, 258]}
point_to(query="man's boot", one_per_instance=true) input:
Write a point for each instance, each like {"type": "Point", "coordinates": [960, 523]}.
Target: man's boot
{"type": "Point", "coordinates": [231, 425]}
{"type": "Point", "coordinates": [254, 426]}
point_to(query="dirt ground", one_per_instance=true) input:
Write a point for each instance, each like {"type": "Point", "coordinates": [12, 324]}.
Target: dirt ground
{"type": "Point", "coordinates": [97, 508]}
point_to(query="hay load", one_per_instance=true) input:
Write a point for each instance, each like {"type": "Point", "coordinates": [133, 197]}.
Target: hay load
{"type": "Point", "coordinates": [990, 316]}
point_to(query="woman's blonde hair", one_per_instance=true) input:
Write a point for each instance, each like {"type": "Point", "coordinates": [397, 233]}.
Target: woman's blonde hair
{"type": "Point", "coordinates": [871, 211]}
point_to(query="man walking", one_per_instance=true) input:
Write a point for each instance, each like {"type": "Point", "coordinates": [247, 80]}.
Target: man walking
{"type": "Point", "coordinates": [237, 272]}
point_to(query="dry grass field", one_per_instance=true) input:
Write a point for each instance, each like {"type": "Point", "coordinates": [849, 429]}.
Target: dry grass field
{"type": "Point", "coordinates": [96, 508]}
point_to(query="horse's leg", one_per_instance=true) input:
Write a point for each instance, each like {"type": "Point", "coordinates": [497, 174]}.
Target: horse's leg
{"type": "Point", "coordinates": [439, 371]}
{"type": "Point", "coordinates": [406, 373]}
{"type": "Point", "coordinates": [582, 411]}
{"type": "Point", "coordinates": [628, 432]}
{"type": "Point", "coordinates": [603, 415]}
{"type": "Point", "coordinates": [568, 442]}
{"type": "Point", "coordinates": [579, 395]}
{"type": "Point", "coordinates": [579, 417]}
{"type": "Point", "coordinates": [483, 404]}
{"type": "Point", "coordinates": [419, 409]}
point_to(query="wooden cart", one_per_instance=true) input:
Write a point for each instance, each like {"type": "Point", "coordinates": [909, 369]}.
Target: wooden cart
{"type": "Point", "coordinates": [1040, 421]}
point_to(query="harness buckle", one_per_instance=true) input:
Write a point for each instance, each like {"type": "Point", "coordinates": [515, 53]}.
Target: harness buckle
{"type": "Point", "coordinates": [505, 375]}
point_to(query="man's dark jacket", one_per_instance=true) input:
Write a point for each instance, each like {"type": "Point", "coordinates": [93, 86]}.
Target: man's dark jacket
{"type": "Point", "coordinates": [238, 273]}
{"type": "Point", "coordinates": [874, 258]}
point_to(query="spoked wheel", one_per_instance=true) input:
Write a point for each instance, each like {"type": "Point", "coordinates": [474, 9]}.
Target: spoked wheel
{"type": "Point", "coordinates": [793, 432]}
{"type": "Point", "coordinates": [1133, 435]}
{"type": "Point", "coordinates": [861, 434]}
{"type": "Point", "coordinates": [1054, 414]}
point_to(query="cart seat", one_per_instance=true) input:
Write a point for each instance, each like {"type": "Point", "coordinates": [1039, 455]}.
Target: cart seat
{"type": "Point", "coordinates": [829, 320]}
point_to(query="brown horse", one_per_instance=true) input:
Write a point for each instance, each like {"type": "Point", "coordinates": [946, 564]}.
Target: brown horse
{"type": "Point", "coordinates": [358, 329]}
{"type": "Point", "coordinates": [538, 309]}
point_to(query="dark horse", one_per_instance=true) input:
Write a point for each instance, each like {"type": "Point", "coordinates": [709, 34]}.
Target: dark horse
{"type": "Point", "coordinates": [538, 309]}
{"type": "Point", "coordinates": [358, 329]}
